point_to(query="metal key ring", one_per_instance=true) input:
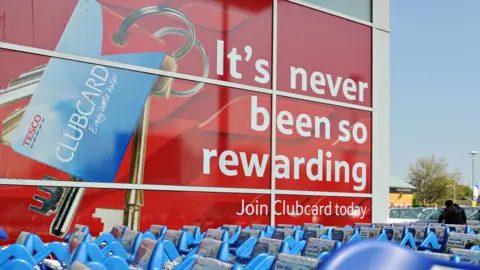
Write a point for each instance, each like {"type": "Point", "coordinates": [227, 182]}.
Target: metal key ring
{"type": "Point", "coordinates": [206, 67]}
{"type": "Point", "coordinates": [120, 37]}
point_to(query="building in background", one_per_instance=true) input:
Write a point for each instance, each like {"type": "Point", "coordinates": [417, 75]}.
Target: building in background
{"type": "Point", "coordinates": [401, 192]}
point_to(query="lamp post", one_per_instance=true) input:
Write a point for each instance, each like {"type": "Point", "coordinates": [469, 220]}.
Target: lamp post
{"type": "Point", "coordinates": [473, 153]}
{"type": "Point", "coordinates": [454, 191]}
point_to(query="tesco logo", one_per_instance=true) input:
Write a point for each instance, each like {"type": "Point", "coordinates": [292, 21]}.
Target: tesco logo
{"type": "Point", "coordinates": [33, 131]}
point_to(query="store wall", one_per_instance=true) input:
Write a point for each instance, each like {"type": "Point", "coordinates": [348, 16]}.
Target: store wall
{"type": "Point", "coordinates": [276, 112]}
{"type": "Point", "coordinates": [401, 200]}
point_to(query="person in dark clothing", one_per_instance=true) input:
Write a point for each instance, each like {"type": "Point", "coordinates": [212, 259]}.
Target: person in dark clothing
{"type": "Point", "coordinates": [453, 214]}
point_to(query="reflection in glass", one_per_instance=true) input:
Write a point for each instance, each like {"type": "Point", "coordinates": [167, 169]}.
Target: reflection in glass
{"type": "Point", "coordinates": [360, 9]}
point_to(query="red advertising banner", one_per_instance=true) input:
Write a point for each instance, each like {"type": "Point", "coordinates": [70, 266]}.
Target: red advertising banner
{"type": "Point", "coordinates": [233, 38]}
{"type": "Point", "coordinates": [322, 147]}
{"type": "Point", "coordinates": [93, 123]}
{"type": "Point", "coordinates": [204, 140]}
{"type": "Point", "coordinates": [323, 56]}
{"type": "Point", "coordinates": [223, 134]}
{"type": "Point", "coordinates": [329, 211]}
{"type": "Point", "coordinates": [101, 209]}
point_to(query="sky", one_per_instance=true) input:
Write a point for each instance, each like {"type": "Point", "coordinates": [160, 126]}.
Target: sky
{"type": "Point", "coordinates": [435, 88]}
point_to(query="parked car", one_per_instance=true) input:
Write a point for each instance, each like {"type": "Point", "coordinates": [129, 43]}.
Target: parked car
{"type": "Point", "coordinates": [428, 210]}
{"type": "Point", "coordinates": [434, 216]}
{"type": "Point", "coordinates": [474, 219]}
{"type": "Point", "coordinates": [405, 215]}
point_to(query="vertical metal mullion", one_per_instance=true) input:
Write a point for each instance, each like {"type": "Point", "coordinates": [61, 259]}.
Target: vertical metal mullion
{"type": "Point", "coordinates": [373, 166]}
{"type": "Point", "coordinates": [273, 110]}
{"type": "Point", "coordinates": [380, 109]}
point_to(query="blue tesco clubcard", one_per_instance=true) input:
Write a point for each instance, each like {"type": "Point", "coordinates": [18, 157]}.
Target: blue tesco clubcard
{"type": "Point", "coordinates": [82, 116]}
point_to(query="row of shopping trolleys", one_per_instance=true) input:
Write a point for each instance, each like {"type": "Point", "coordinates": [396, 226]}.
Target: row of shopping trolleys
{"type": "Point", "coordinates": [231, 247]}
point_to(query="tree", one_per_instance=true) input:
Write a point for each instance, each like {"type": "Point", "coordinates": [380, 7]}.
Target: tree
{"type": "Point", "coordinates": [464, 192]}
{"type": "Point", "coordinates": [414, 201]}
{"type": "Point", "coordinates": [432, 179]}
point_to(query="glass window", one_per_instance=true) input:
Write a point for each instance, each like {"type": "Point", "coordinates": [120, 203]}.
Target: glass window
{"type": "Point", "coordinates": [219, 27]}
{"type": "Point", "coordinates": [470, 211]}
{"type": "Point", "coordinates": [204, 209]}
{"type": "Point", "coordinates": [360, 9]}
{"type": "Point", "coordinates": [475, 216]}
{"type": "Point", "coordinates": [357, 153]}
{"type": "Point", "coordinates": [408, 214]}
{"type": "Point", "coordinates": [309, 211]}
{"type": "Point", "coordinates": [436, 214]}
{"type": "Point", "coordinates": [428, 211]}
{"type": "Point", "coordinates": [419, 213]}
{"type": "Point", "coordinates": [395, 213]}
{"type": "Point", "coordinates": [202, 134]}
{"type": "Point", "coordinates": [298, 74]}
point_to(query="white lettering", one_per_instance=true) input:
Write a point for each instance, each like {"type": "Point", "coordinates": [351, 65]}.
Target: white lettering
{"type": "Point", "coordinates": [320, 168]}
{"type": "Point", "coordinates": [349, 88]}
{"type": "Point", "coordinates": [228, 158]}
{"type": "Point", "coordinates": [220, 52]}
{"type": "Point", "coordinates": [254, 115]}
{"type": "Point", "coordinates": [234, 58]}
{"type": "Point", "coordinates": [261, 66]}
{"type": "Point", "coordinates": [285, 122]}
{"type": "Point", "coordinates": [78, 121]}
